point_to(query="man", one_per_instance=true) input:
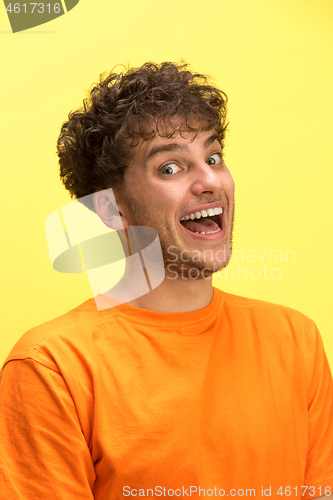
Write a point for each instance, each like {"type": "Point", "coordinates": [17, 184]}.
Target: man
{"type": "Point", "coordinates": [186, 390]}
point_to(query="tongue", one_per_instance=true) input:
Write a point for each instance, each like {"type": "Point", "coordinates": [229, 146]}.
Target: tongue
{"type": "Point", "coordinates": [204, 224]}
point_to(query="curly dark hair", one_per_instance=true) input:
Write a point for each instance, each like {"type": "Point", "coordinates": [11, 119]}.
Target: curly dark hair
{"type": "Point", "coordinates": [97, 142]}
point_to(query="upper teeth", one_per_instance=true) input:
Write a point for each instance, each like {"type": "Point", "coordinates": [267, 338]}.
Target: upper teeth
{"type": "Point", "coordinates": [204, 213]}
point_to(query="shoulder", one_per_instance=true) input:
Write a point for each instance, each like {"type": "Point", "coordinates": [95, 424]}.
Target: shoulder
{"type": "Point", "coordinates": [263, 308]}
{"type": "Point", "coordinates": [61, 336]}
{"type": "Point", "coordinates": [285, 337]}
{"type": "Point", "coordinates": [279, 320]}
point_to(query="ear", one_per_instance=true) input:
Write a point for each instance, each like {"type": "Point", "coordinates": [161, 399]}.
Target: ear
{"type": "Point", "coordinates": [109, 210]}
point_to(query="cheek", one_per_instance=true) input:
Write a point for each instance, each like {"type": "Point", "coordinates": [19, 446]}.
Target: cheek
{"type": "Point", "coordinates": [165, 197]}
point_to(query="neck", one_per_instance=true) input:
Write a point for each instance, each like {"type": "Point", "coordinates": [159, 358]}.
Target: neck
{"type": "Point", "coordinates": [172, 295]}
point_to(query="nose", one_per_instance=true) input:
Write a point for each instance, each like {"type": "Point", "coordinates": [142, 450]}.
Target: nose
{"type": "Point", "coordinates": [206, 179]}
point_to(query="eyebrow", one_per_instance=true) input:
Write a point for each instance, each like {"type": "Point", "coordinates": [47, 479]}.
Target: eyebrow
{"type": "Point", "coordinates": [178, 147]}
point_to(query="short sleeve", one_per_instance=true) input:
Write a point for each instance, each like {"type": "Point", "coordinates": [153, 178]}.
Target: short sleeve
{"type": "Point", "coordinates": [319, 465]}
{"type": "Point", "coordinates": [43, 451]}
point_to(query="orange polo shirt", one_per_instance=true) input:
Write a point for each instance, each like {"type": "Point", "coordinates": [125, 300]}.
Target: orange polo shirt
{"type": "Point", "coordinates": [125, 402]}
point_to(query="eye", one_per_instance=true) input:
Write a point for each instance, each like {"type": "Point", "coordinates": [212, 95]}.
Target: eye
{"type": "Point", "coordinates": [214, 159]}
{"type": "Point", "coordinates": [170, 169]}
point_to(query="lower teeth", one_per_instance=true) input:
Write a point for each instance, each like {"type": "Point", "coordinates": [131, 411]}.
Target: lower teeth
{"type": "Point", "coordinates": [210, 232]}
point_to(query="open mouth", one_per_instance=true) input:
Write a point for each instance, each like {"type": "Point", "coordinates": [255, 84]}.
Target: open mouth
{"type": "Point", "coordinates": [202, 223]}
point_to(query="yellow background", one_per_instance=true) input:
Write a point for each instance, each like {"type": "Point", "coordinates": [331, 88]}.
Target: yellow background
{"type": "Point", "coordinates": [274, 60]}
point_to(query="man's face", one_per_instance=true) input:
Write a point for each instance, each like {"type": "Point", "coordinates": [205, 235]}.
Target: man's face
{"type": "Point", "coordinates": [178, 186]}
